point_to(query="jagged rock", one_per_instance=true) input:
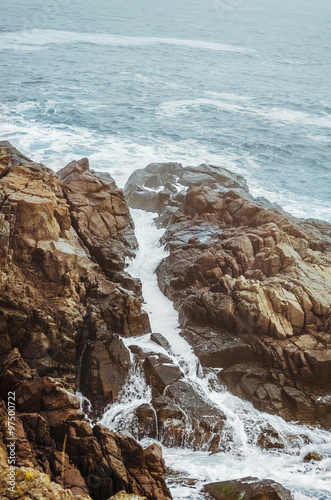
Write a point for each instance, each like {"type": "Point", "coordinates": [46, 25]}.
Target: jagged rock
{"type": "Point", "coordinates": [147, 424]}
{"type": "Point", "coordinates": [186, 419]}
{"type": "Point", "coordinates": [251, 285]}
{"type": "Point", "coordinates": [312, 456]}
{"type": "Point", "coordinates": [60, 299]}
{"type": "Point", "coordinates": [155, 463]}
{"type": "Point", "coordinates": [160, 185]}
{"type": "Point", "coordinates": [160, 372]}
{"type": "Point", "coordinates": [49, 422]}
{"type": "Point", "coordinates": [270, 439]}
{"type": "Point", "coordinates": [249, 488]}
{"type": "Point", "coordinates": [65, 300]}
{"type": "Point", "coordinates": [100, 215]}
{"type": "Point", "coordinates": [109, 364]}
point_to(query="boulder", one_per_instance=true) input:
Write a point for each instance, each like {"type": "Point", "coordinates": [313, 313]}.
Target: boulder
{"type": "Point", "coordinates": [312, 456]}
{"type": "Point", "coordinates": [186, 419]}
{"type": "Point", "coordinates": [160, 372]}
{"type": "Point", "coordinates": [248, 488]}
{"type": "Point", "coordinates": [270, 439]}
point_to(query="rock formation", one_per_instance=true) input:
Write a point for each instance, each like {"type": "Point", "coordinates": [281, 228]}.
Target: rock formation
{"type": "Point", "coordinates": [248, 488]}
{"type": "Point", "coordinates": [65, 303]}
{"type": "Point", "coordinates": [251, 285]}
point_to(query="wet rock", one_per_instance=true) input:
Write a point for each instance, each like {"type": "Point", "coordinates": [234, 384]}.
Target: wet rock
{"type": "Point", "coordinates": [171, 422]}
{"type": "Point", "coordinates": [49, 420]}
{"type": "Point", "coordinates": [160, 340]}
{"type": "Point", "coordinates": [160, 372]}
{"type": "Point", "coordinates": [159, 185]}
{"type": "Point", "coordinates": [147, 424]}
{"type": "Point", "coordinates": [312, 456]}
{"type": "Point", "coordinates": [138, 477]}
{"type": "Point", "coordinates": [109, 364]}
{"type": "Point", "coordinates": [249, 488]}
{"type": "Point", "coordinates": [270, 439]}
{"type": "Point", "coordinates": [60, 299]}
{"type": "Point", "coordinates": [251, 285]}
{"type": "Point", "coordinates": [142, 187]}
{"type": "Point", "coordinates": [188, 418]}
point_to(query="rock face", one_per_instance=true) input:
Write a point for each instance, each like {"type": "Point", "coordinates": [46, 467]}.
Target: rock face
{"type": "Point", "coordinates": [65, 300]}
{"type": "Point", "coordinates": [251, 284]}
{"type": "Point", "coordinates": [99, 214]}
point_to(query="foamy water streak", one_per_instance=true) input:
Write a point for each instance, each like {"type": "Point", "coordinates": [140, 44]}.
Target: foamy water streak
{"type": "Point", "coordinates": [241, 455]}
{"type": "Point", "coordinates": [236, 104]}
{"type": "Point", "coordinates": [30, 39]}
{"type": "Point", "coordinates": [162, 315]}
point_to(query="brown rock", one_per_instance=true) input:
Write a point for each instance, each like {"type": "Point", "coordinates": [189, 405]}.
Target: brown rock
{"type": "Point", "coordinates": [104, 223]}
{"type": "Point", "coordinates": [312, 456]}
{"type": "Point", "coordinates": [270, 439]}
{"type": "Point", "coordinates": [65, 300]}
{"type": "Point", "coordinates": [160, 371]}
{"type": "Point", "coordinates": [243, 271]}
{"type": "Point", "coordinates": [248, 488]}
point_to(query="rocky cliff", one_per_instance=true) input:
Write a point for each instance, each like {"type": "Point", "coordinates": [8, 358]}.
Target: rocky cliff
{"type": "Point", "coordinates": [252, 286]}
{"type": "Point", "coordinates": [65, 301]}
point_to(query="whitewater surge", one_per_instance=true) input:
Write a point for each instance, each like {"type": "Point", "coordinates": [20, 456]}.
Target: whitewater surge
{"type": "Point", "coordinates": [241, 456]}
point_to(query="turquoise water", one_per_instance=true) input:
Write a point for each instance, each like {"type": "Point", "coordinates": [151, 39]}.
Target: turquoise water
{"type": "Point", "coordinates": [240, 83]}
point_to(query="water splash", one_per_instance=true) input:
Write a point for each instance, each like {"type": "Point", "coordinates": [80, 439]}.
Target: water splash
{"type": "Point", "coordinates": [135, 392]}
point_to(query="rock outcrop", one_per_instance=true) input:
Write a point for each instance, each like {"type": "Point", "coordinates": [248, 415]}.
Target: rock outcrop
{"type": "Point", "coordinates": [248, 488]}
{"type": "Point", "coordinates": [251, 285]}
{"type": "Point", "coordinates": [177, 415]}
{"type": "Point", "coordinates": [65, 303]}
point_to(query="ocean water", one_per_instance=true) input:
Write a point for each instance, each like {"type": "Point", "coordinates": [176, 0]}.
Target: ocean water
{"type": "Point", "coordinates": [244, 84]}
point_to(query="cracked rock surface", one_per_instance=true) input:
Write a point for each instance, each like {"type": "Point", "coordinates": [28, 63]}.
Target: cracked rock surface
{"type": "Point", "coordinates": [252, 286]}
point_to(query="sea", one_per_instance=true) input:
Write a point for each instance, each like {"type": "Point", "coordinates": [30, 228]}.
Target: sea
{"type": "Point", "coordinates": [243, 84]}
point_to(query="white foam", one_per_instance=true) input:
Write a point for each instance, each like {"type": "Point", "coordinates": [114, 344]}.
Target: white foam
{"type": "Point", "coordinates": [283, 116]}
{"type": "Point", "coordinates": [182, 106]}
{"type": "Point", "coordinates": [120, 155]}
{"type": "Point", "coordinates": [162, 315]}
{"type": "Point", "coordinates": [229, 96]}
{"type": "Point", "coordinates": [42, 37]}
{"type": "Point", "coordinates": [135, 392]}
{"type": "Point", "coordinates": [242, 104]}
